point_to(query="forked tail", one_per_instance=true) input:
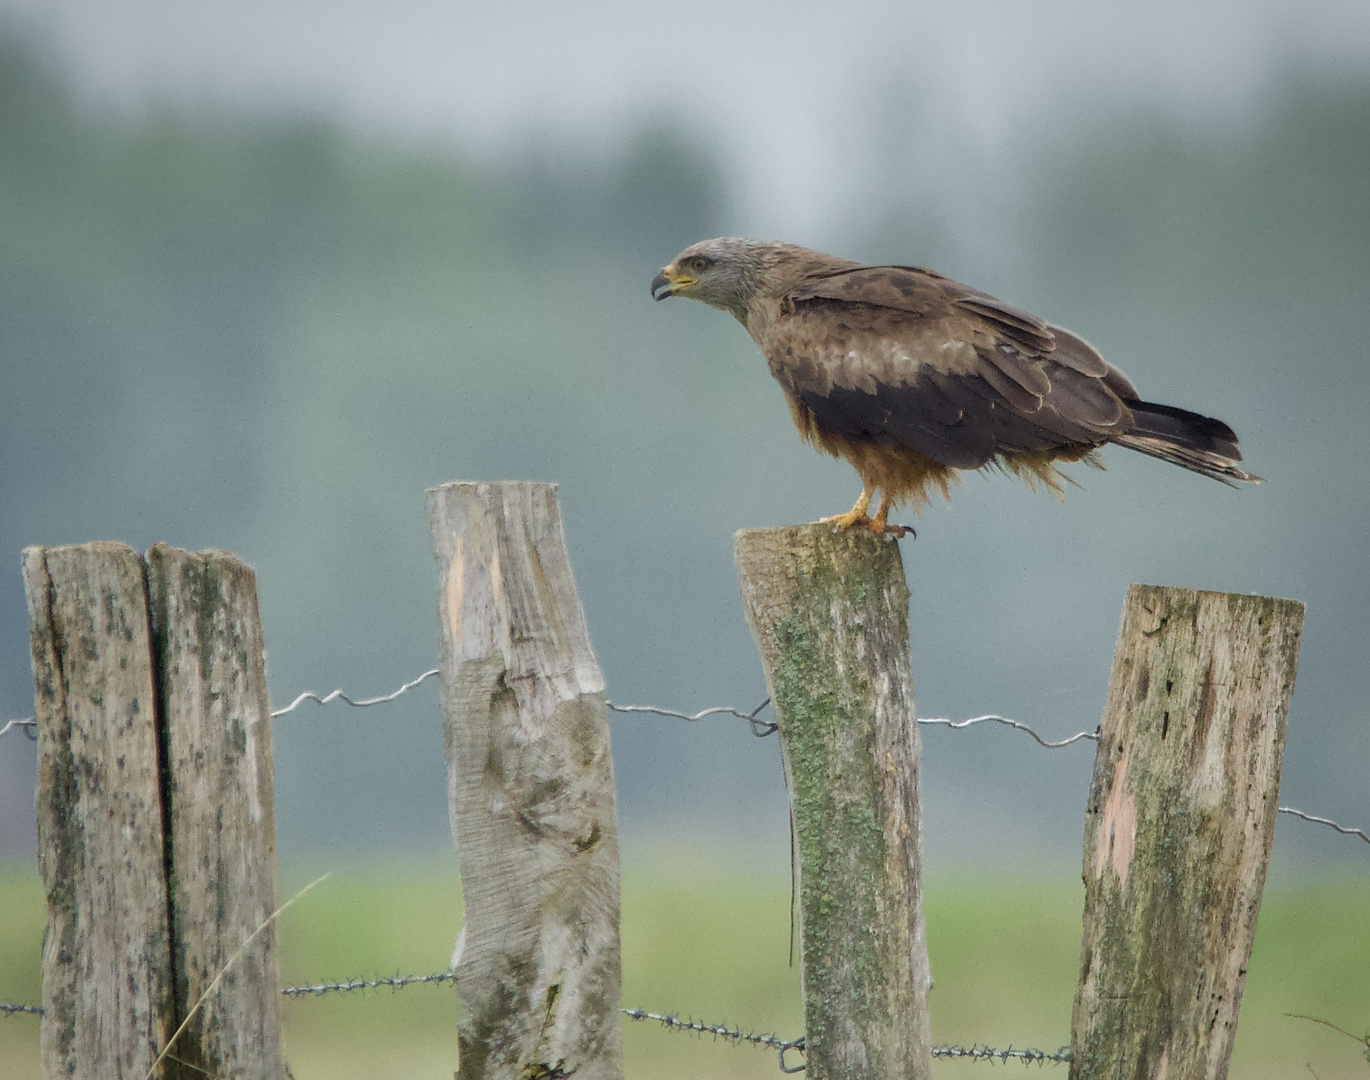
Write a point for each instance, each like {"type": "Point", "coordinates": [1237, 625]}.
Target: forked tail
{"type": "Point", "coordinates": [1198, 443]}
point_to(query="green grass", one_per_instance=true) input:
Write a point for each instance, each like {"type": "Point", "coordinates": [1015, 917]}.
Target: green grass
{"type": "Point", "coordinates": [713, 943]}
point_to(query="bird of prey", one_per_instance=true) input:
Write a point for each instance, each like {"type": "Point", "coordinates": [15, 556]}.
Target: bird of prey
{"type": "Point", "coordinates": [911, 377]}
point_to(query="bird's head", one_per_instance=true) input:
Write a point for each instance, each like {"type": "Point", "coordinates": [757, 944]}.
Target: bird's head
{"type": "Point", "coordinates": [723, 273]}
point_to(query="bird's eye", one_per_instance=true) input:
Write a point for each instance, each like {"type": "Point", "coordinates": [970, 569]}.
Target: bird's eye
{"type": "Point", "coordinates": [699, 264]}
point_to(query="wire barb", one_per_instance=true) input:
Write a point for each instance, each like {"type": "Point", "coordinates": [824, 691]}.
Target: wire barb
{"type": "Point", "coordinates": [722, 1031]}
{"type": "Point", "coordinates": [398, 982]}
{"type": "Point", "coordinates": [1027, 1056]}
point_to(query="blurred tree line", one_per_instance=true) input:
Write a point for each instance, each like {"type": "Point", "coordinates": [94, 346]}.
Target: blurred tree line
{"type": "Point", "coordinates": [156, 261]}
{"type": "Point", "coordinates": [267, 335]}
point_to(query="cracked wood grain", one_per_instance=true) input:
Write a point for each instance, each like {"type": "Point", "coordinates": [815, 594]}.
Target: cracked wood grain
{"type": "Point", "coordinates": [1178, 828]}
{"type": "Point", "coordinates": [530, 791]}
{"type": "Point", "coordinates": [156, 837]}
{"type": "Point", "coordinates": [211, 667]}
{"type": "Point", "coordinates": [107, 980]}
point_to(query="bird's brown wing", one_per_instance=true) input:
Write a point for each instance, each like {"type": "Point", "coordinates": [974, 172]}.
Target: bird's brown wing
{"type": "Point", "coordinates": [899, 355]}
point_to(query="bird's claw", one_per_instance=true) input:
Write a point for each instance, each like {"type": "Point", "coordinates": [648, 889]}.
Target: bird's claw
{"type": "Point", "coordinates": [877, 526]}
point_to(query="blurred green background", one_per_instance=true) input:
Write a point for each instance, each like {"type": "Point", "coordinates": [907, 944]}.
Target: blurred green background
{"type": "Point", "coordinates": [710, 941]}
{"type": "Point", "coordinates": [268, 271]}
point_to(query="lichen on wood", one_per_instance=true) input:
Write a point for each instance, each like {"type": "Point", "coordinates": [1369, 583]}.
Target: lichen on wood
{"type": "Point", "coordinates": [1178, 828]}
{"type": "Point", "coordinates": [830, 617]}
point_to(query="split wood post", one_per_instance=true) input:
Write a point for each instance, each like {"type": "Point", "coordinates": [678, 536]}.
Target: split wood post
{"type": "Point", "coordinates": [155, 830]}
{"type": "Point", "coordinates": [107, 987]}
{"type": "Point", "coordinates": [210, 658]}
{"type": "Point", "coordinates": [830, 616]}
{"type": "Point", "coordinates": [530, 785]}
{"type": "Point", "coordinates": [1178, 827]}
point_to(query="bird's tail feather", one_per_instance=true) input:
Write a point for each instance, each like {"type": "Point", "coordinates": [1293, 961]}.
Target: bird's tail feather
{"type": "Point", "coordinates": [1198, 443]}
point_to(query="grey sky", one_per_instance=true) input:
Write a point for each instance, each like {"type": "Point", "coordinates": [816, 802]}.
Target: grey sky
{"type": "Point", "coordinates": [785, 87]}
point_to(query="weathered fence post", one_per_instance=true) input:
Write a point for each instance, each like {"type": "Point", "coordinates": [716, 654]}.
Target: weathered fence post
{"type": "Point", "coordinates": [1178, 829]}
{"type": "Point", "coordinates": [107, 988]}
{"type": "Point", "coordinates": [530, 791]}
{"type": "Point", "coordinates": [830, 616]}
{"type": "Point", "coordinates": [210, 659]}
{"type": "Point", "coordinates": [155, 830]}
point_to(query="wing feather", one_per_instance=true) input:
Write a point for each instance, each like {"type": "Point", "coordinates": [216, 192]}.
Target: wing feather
{"type": "Point", "coordinates": [900, 356]}
{"type": "Point", "coordinates": [1025, 370]}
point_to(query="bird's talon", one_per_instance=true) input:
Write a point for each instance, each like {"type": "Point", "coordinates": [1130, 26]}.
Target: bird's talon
{"type": "Point", "coordinates": [842, 522]}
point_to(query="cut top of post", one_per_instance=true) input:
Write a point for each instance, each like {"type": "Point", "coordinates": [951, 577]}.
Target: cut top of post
{"type": "Point", "coordinates": [489, 534]}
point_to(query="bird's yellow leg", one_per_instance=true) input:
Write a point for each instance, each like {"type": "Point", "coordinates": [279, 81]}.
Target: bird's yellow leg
{"type": "Point", "coordinates": [855, 516]}
{"type": "Point", "coordinates": [880, 524]}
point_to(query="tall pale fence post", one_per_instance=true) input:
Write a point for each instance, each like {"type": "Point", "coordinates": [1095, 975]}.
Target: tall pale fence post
{"type": "Point", "coordinates": [155, 831]}
{"type": "Point", "coordinates": [830, 617]}
{"type": "Point", "coordinates": [530, 791]}
{"type": "Point", "coordinates": [1178, 827]}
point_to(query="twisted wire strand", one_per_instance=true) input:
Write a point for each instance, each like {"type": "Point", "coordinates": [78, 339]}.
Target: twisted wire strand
{"type": "Point", "coordinates": [1017, 725]}
{"type": "Point", "coordinates": [759, 727]}
{"type": "Point", "coordinates": [26, 725]}
{"type": "Point", "coordinates": [338, 695]}
{"type": "Point", "coordinates": [1324, 821]}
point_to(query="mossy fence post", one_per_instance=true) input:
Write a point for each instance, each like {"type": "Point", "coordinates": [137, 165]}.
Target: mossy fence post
{"type": "Point", "coordinates": [156, 839]}
{"type": "Point", "coordinates": [830, 617]}
{"type": "Point", "coordinates": [1178, 827]}
{"type": "Point", "coordinates": [530, 791]}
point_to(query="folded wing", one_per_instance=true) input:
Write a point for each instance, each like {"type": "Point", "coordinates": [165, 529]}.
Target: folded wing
{"type": "Point", "coordinates": [902, 356]}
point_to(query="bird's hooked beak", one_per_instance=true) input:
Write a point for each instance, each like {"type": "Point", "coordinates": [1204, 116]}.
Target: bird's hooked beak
{"type": "Point", "coordinates": [669, 282]}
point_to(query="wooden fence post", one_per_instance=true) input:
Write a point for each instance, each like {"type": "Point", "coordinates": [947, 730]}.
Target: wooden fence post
{"type": "Point", "coordinates": [210, 659]}
{"type": "Point", "coordinates": [155, 829]}
{"type": "Point", "coordinates": [1178, 828]}
{"type": "Point", "coordinates": [830, 617]}
{"type": "Point", "coordinates": [530, 791]}
{"type": "Point", "coordinates": [107, 988]}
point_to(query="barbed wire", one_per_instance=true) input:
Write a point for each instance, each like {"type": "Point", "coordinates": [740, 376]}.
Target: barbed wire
{"type": "Point", "coordinates": [397, 982]}
{"type": "Point", "coordinates": [722, 1031]}
{"type": "Point", "coordinates": [760, 728]}
{"type": "Point", "coordinates": [1027, 1055]}
{"type": "Point", "coordinates": [670, 1021]}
